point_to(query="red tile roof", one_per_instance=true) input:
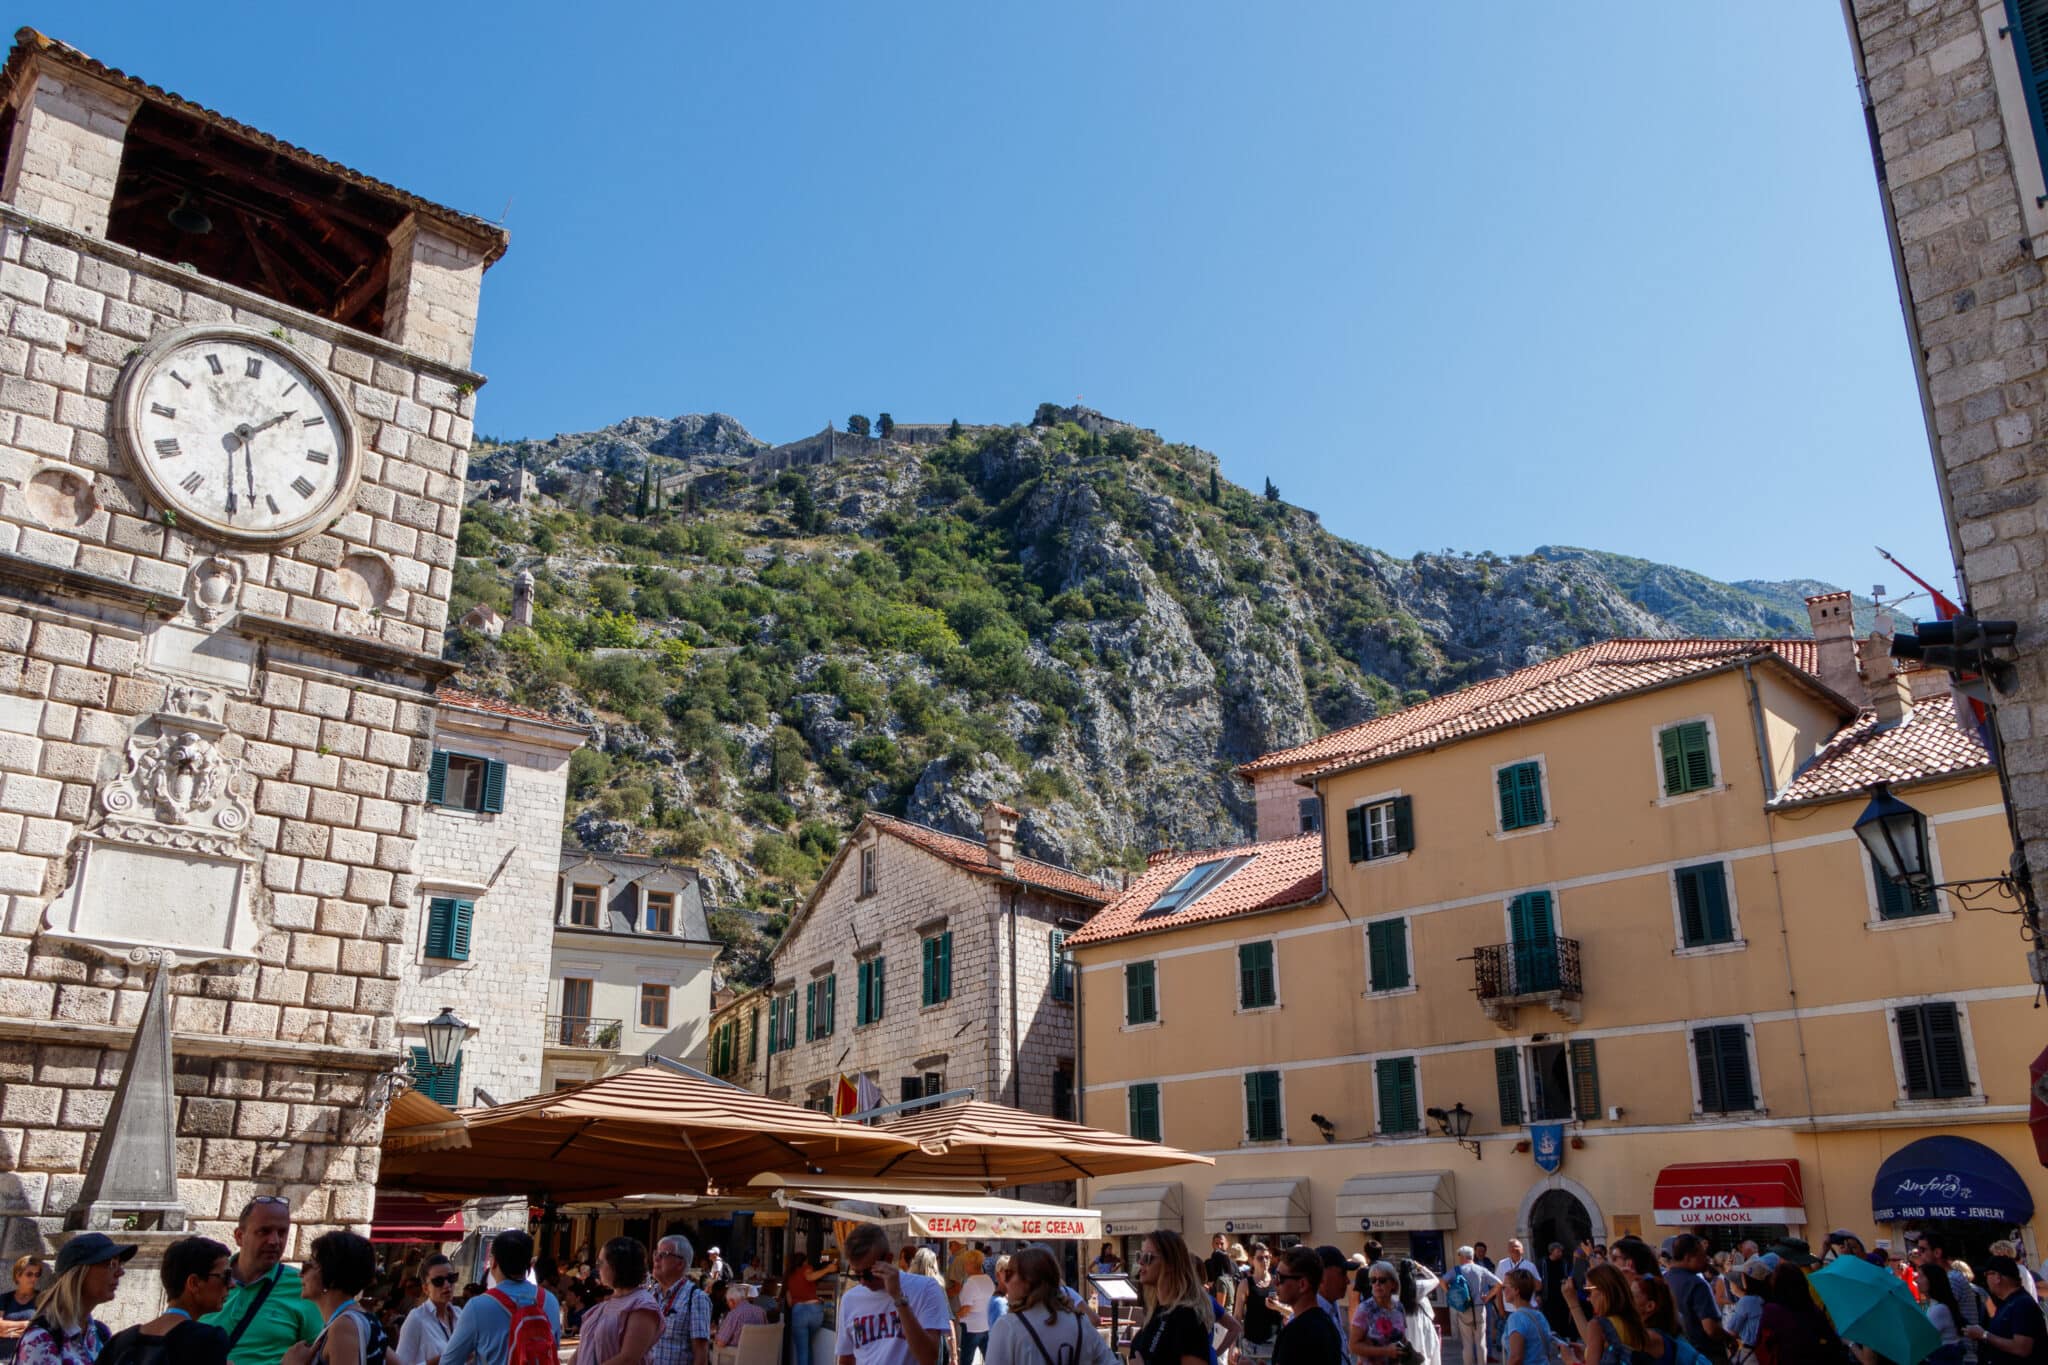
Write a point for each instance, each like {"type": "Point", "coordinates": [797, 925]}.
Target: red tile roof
{"type": "Point", "coordinates": [1281, 872]}
{"type": "Point", "coordinates": [1596, 673]}
{"type": "Point", "coordinates": [972, 855]}
{"type": "Point", "coordinates": [1925, 745]}
{"type": "Point", "coordinates": [464, 700]}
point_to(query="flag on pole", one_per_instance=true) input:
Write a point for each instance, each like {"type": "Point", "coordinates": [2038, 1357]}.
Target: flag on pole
{"type": "Point", "coordinates": [1972, 716]}
{"type": "Point", "coordinates": [845, 1098]}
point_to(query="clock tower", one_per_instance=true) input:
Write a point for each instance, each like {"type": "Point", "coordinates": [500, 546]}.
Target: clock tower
{"type": "Point", "coordinates": [235, 406]}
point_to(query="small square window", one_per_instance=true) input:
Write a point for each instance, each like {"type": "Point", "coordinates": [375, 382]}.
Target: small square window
{"type": "Point", "coordinates": [464, 786]}
{"type": "Point", "coordinates": [583, 905]}
{"type": "Point", "coordinates": [1685, 752]}
{"type": "Point", "coordinates": [1520, 788]}
{"type": "Point", "coordinates": [653, 1005]}
{"type": "Point", "coordinates": [1142, 1103]}
{"type": "Point", "coordinates": [1381, 829]}
{"type": "Point", "coordinates": [1141, 993]}
{"type": "Point", "coordinates": [1256, 987]}
{"type": "Point", "coordinates": [661, 912]}
{"type": "Point", "coordinates": [867, 872]}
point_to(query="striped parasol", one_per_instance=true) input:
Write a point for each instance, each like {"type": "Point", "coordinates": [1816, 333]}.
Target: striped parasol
{"type": "Point", "coordinates": [1003, 1146]}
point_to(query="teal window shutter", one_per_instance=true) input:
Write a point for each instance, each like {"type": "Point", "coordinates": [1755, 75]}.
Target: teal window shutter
{"type": "Point", "coordinates": [1404, 824]}
{"type": "Point", "coordinates": [1687, 757]}
{"type": "Point", "coordinates": [774, 1029]}
{"type": "Point", "coordinates": [1507, 1080]}
{"type": "Point", "coordinates": [1062, 967]}
{"type": "Point", "coordinates": [1521, 795]}
{"type": "Point", "coordinates": [861, 991]}
{"type": "Point", "coordinates": [442, 916]}
{"type": "Point", "coordinates": [1141, 997]}
{"type": "Point", "coordinates": [437, 778]}
{"type": "Point", "coordinates": [1703, 905]}
{"type": "Point", "coordinates": [1901, 902]}
{"type": "Point", "coordinates": [1262, 1120]}
{"type": "Point", "coordinates": [458, 939]}
{"type": "Point", "coordinates": [1395, 1077]}
{"type": "Point", "coordinates": [494, 785]}
{"type": "Point", "coordinates": [831, 1010]}
{"type": "Point", "coordinates": [1143, 1103]}
{"type": "Point", "coordinates": [946, 965]}
{"type": "Point", "coordinates": [810, 1011]}
{"type": "Point", "coordinates": [1387, 940]}
{"type": "Point", "coordinates": [1354, 830]}
{"type": "Point", "coordinates": [929, 953]}
{"type": "Point", "coordinates": [876, 991]}
{"type": "Point", "coordinates": [442, 1084]}
{"type": "Point", "coordinates": [1256, 988]}
{"type": "Point", "coordinates": [1585, 1079]}
{"type": "Point", "coordinates": [2027, 25]}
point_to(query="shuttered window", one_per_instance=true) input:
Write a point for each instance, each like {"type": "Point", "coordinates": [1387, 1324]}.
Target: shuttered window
{"type": "Point", "coordinates": [465, 782]}
{"type": "Point", "coordinates": [1703, 916]}
{"type": "Point", "coordinates": [1721, 1057]}
{"type": "Point", "coordinates": [1141, 992]}
{"type": "Point", "coordinates": [868, 1004]}
{"type": "Point", "coordinates": [1507, 1080]}
{"type": "Point", "coordinates": [1062, 967]}
{"type": "Point", "coordinates": [1903, 902]}
{"type": "Point", "coordinates": [1386, 943]}
{"type": "Point", "coordinates": [1262, 1121]}
{"type": "Point", "coordinates": [1143, 1106]}
{"type": "Point", "coordinates": [1395, 1077]}
{"type": "Point", "coordinates": [1687, 757]}
{"type": "Point", "coordinates": [2027, 21]}
{"type": "Point", "coordinates": [441, 1084]}
{"type": "Point", "coordinates": [448, 926]}
{"type": "Point", "coordinates": [1585, 1079]}
{"type": "Point", "coordinates": [828, 1004]}
{"type": "Point", "coordinates": [1256, 988]}
{"type": "Point", "coordinates": [1931, 1049]}
{"type": "Point", "coordinates": [1381, 829]}
{"type": "Point", "coordinates": [1311, 815]}
{"type": "Point", "coordinates": [1520, 787]}
{"type": "Point", "coordinates": [938, 969]}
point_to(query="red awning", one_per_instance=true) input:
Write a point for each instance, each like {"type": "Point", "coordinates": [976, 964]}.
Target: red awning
{"type": "Point", "coordinates": [411, 1218]}
{"type": "Point", "coordinates": [1705, 1193]}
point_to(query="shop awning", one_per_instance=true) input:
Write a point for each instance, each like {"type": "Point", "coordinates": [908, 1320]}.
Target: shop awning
{"type": "Point", "coordinates": [1134, 1210]}
{"type": "Point", "coordinates": [933, 1216]}
{"type": "Point", "coordinates": [1709, 1193]}
{"type": "Point", "coordinates": [1949, 1177]}
{"type": "Point", "coordinates": [1238, 1206]}
{"type": "Point", "coordinates": [1400, 1201]}
{"type": "Point", "coordinates": [410, 1218]}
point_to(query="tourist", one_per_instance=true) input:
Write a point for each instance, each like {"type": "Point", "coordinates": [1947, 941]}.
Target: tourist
{"type": "Point", "coordinates": [1557, 1292]}
{"type": "Point", "coordinates": [338, 1268]}
{"type": "Point", "coordinates": [1745, 1314]}
{"type": "Point", "coordinates": [1254, 1307]}
{"type": "Point", "coordinates": [622, 1329]}
{"type": "Point", "coordinates": [1699, 1316]}
{"type": "Point", "coordinates": [1044, 1322]}
{"type": "Point", "coordinates": [977, 1292]}
{"type": "Point", "coordinates": [1526, 1337]}
{"type": "Point", "coordinates": [1308, 1338]}
{"type": "Point", "coordinates": [1610, 1327]}
{"type": "Point", "coordinates": [1379, 1327]}
{"type": "Point", "coordinates": [1331, 1292]}
{"type": "Point", "coordinates": [195, 1280]}
{"type": "Point", "coordinates": [484, 1332]}
{"type": "Point", "coordinates": [1659, 1310]}
{"type": "Point", "coordinates": [1794, 1329]}
{"type": "Point", "coordinates": [685, 1309]}
{"type": "Point", "coordinates": [2011, 1249]}
{"type": "Point", "coordinates": [18, 1305]}
{"type": "Point", "coordinates": [2017, 1330]}
{"type": "Point", "coordinates": [64, 1331]}
{"type": "Point", "coordinates": [1416, 1285]}
{"type": "Point", "coordinates": [264, 1315]}
{"type": "Point", "coordinates": [924, 1261]}
{"type": "Point", "coordinates": [1932, 1248]}
{"type": "Point", "coordinates": [1939, 1302]}
{"type": "Point", "coordinates": [888, 1316]}
{"type": "Point", "coordinates": [427, 1327]}
{"type": "Point", "coordinates": [806, 1307]}
{"type": "Point", "coordinates": [1177, 1313]}
{"type": "Point", "coordinates": [741, 1312]}
{"type": "Point", "coordinates": [1471, 1286]}
{"type": "Point", "coordinates": [715, 1268]}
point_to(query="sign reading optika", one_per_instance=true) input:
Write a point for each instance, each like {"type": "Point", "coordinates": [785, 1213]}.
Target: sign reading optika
{"type": "Point", "coordinates": [1084, 1228]}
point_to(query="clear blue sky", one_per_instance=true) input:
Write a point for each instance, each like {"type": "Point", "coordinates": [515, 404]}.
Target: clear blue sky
{"type": "Point", "coordinates": [1477, 277]}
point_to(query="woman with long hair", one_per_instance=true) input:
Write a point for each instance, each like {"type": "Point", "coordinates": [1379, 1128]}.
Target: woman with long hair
{"type": "Point", "coordinates": [1042, 1323]}
{"type": "Point", "coordinates": [1794, 1330]}
{"type": "Point", "coordinates": [1178, 1314]}
{"type": "Point", "coordinates": [425, 1329]}
{"type": "Point", "coordinates": [924, 1261]}
{"type": "Point", "coordinates": [1615, 1330]}
{"type": "Point", "coordinates": [1254, 1307]}
{"type": "Point", "coordinates": [621, 1328]}
{"type": "Point", "coordinates": [339, 1267]}
{"type": "Point", "coordinates": [1421, 1332]}
{"type": "Point", "coordinates": [1938, 1297]}
{"type": "Point", "coordinates": [64, 1331]}
{"type": "Point", "coordinates": [806, 1304]}
{"type": "Point", "coordinates": [1659, 1309]}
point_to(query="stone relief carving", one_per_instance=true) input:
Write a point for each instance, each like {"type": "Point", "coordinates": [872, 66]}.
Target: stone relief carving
{"type": "Point", "coordinates": [178, 789]}
{"type": "Point", "coordinates": [213, 586]}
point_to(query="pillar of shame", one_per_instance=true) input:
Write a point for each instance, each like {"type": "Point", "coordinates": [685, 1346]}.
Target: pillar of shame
{"type": "Point", "coordinates": [235, 407]}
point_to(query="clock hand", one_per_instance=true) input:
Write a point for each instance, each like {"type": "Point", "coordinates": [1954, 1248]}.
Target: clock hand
{"type": "Point", "coordinates": [273, 421]}
{"type": "Point", "coordinates": [249, 465]}
{"type": "Point", "coordinates": [231, 480]}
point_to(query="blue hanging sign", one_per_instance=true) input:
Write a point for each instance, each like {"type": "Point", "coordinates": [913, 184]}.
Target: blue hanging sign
{"type": "Point", "coordinates": [1547, 1140]}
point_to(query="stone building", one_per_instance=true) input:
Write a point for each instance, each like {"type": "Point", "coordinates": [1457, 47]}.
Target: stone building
{"type": "Point", "coordinates": [235, 407]}
{"type": "Point", "coordinates": [631, 970]}
{"type": "Point", "coordinates": [952, 955]}
{"type": "Point", "coordinates": [1953, 93]}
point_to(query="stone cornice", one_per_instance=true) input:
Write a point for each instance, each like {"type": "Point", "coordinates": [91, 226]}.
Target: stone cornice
{"type": "Point", "coordinates": [66, 1032]}
{"type": "Point", "coordinates": [374, 653]}
{"type": "Point", "coordinates": [63, 587]}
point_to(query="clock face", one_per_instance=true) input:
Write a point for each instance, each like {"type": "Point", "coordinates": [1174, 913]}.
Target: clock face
{"type": "Point", "coordinates": [237, 435]}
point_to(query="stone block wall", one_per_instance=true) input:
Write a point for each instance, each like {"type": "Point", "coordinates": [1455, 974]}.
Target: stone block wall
{"type": "Point", "coordinates": [66, 149]}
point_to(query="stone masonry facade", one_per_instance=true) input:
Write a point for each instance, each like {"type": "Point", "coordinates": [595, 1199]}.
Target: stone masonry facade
{"type": "Point", "coordinates": [316, 660]}
{"type": "Point", "coordinates": [1962, 178]}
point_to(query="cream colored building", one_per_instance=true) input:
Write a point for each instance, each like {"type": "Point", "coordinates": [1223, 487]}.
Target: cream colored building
{"type": "Point", "coordinates": [1612, 906]}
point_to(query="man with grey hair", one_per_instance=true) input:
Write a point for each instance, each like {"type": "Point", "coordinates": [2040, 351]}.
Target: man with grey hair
{"type": "Point", "coordinates": [685, 1309]}
{"type": "Point", "coordinates": [1470, 1284]}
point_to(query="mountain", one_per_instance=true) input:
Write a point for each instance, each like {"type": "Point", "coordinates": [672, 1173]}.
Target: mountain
{"type": "Point", "coordinates": [1072, 616]}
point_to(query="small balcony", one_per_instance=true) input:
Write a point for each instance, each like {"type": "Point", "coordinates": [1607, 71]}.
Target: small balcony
{"type": "Point", "coordinates": [582, 1034]}
{"type": "Point", "coordinates": [1541, 971]}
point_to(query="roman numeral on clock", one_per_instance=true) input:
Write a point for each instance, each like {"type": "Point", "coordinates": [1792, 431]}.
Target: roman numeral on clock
{"type": "Point", "coordinates": [254, 368]}
{"type": "Point", "coordinates": [271, 503]}
{"type": "Point", "coordinates": [287, 392]}
{"type": "Point", "coordinates": [193, 481]}
{"type": "Point", "coordinates": [319, 456]}
{"type": "Point", "coordinates": [168, 447]}
{"type": "Point", "coordinates": [314, 422]}
{"type": "Point", "coordinates": [160, 410]}
{"type": "Point", "coordinates": [213, 363]}
{"type": "Point", "coordinates": [181, 379]}
{"type": "Point", "coordinates": [303, 486]}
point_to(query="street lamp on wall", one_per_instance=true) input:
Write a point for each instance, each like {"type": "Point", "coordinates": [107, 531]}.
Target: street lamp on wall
{"type": "Point", "coordinates": [1456, 1123]}
{"type": "Point", "coordinates": [1896, 836]}
{"type": "Point", "coordinates": [445, 1033]}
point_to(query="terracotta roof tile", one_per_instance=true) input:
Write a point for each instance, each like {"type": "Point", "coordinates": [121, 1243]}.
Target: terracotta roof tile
{"type": "Point", "coordinates": [465, 700]}
{"type": "Point", "coordinates": [1280, 872]}
{"type": "Point", "coordinates": [1926, 744]}
{"type": "Point", "coordinates": [1598, 672]}
{"type": "Point", "coordinates": [972, 855]}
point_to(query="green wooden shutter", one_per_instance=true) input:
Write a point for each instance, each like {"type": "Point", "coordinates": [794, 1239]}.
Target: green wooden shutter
{"type": "Point", "coordinates": [1354, 830]}
{"type": "Point", "coordinates": [1585, 1079]}
{"type": "Point", "coordinates": [1404, 824]}
{"type": "Point", "coordinates": [1708, 1063]}
{"type": "Point", "coordinates": [440, 917]}
{"type": "Point", "coordinates": [458, 938]}
{"type": "Point", "coordinates": [876, 984]}
{"type": "Point", "coordinates": [831, 1002]}
{"type": "Point", "coordinates": [1672, 754]}
{"type": "Point", "coordinates": [928, 953]}
{"type": "Point", "coordinates": [1062, 967]}
{"type": "Point", "coordinates": [1697, 756]}
{"type": "Point", "coordinates": [1913, 1053]}
{"type": "Point", "coordinates": [2027, 22]}
{"type": "Point", "coordinates": [945, 990]}
{"type": "Point", "coordinates": [774, 1026]}
{"type": "Point", "coordinates": [1504, 782]}
{"type": "Point", "coordinates": [1255, 984]}
{"type": "Point", "coordinates": [1388, 940]}
{"type": "Point", "coordinates": [1902, 902]}
{"type": "Point", "coordinates": [1703, 904]}
{"type": "Point", "coordinates": [494, 785]}
{"type": "Point", "coordinates": [437, 778]}
{"type": "Point", "coordinates": [1528, 795]}
{"type": "Point", "coordinates": [442, 1084]}
{"type": "Point", "coordinates": [1262, 1121]}
{"type": "Point", "coordinates": [1722, 1055]}
{"type": "Point", "coordinates": [1949, 1067]}
{"type": "Point", "coordinates": [1143, 1105]}
{"type": "Point", "coordinates": [1395, 1079]}
{"type": "Point", "coordinates": [1507, 1080]}
{"type": "Point", "coordinates": [810, 1011]}
{"type": "Point", "coordinates": [1141, 1002]}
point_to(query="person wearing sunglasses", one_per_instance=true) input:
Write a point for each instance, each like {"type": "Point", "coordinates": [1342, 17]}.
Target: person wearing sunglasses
{"type": "Point", "coordinates": [428, 1326]}
{"type": "Point", "coordinates": [1379, 1329]}
{"type": "Point", "coordinates": [1309, 1338]}
{"type": "Point", "coordinates": [195, 1280]}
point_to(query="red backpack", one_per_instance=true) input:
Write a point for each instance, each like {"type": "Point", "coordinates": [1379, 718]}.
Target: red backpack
{"type": "Point", "coordinates": [531, 1338]}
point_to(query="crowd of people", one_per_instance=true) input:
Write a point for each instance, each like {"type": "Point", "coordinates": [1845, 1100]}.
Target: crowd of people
{"type": "Point", "coordinates": [1624, 1304]}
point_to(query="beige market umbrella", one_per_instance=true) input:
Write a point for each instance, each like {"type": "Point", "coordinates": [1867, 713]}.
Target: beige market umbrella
{"type": "Point", "coordinates": [1000, 1146]}
{"type": "Point", "coordinates": [416, 1123]}
{"type": "Point", "coordinates": [636, 1132]}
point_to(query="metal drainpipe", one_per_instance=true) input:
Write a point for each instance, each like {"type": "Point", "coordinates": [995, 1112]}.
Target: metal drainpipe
{"type": "Point", "coordinates": [1016, 1043]}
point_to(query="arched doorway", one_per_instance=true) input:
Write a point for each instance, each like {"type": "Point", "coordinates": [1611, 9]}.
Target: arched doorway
{"type": "Point", "coordinates": [1526, 1216]}
{"type": "Point", "coordinates": [1557, 1216]}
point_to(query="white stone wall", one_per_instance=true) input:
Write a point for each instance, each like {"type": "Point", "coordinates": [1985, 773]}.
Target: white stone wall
{"type": "Point", "coordinates": [502, 990]}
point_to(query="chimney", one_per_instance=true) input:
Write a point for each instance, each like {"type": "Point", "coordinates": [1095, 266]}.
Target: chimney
{"type": "Point", "coordinates": [999, 835]}
{"type": "Point", "coordinates": [1834, 636]}
{"type": "Point", "coordinates": [1891, 696]}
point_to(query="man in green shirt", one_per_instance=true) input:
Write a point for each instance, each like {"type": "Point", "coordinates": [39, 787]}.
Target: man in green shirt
{"type": "Point", "coordinates": [264, 1315]}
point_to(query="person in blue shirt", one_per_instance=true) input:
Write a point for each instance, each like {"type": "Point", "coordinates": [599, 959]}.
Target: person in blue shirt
{"type": "Point", "coordinates": [484, 1331]}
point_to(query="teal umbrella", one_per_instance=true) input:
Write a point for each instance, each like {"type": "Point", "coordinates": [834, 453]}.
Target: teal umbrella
{"type": "Point", "coordinates": [1872, 1307]}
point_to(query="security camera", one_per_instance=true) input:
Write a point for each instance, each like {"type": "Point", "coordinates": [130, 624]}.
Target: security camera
{"type": "Point", "coordinates": [1324, 1126]}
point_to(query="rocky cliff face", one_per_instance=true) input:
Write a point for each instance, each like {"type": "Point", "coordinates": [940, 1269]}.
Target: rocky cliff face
{"type": "Point", "coordinates": [1072, 616]}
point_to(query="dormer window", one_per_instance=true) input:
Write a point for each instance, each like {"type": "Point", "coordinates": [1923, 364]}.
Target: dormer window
{"type": "Point", "coordinates": [661, 912]}
{"type": "Point", "coordinates": [584, 901]}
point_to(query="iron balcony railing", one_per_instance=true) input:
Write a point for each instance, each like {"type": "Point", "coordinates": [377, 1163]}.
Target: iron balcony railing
{"type": "Point", "coordinates": [580, 1031]}
{"type": "Point", "coordinates": [1530, 968]}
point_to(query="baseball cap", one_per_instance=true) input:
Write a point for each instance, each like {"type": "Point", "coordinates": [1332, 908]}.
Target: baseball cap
{"type": "Point", "coordinates": [1332, 1258]}
{"type": "Point", "coordinates": [1757, 1268]}
{"type": "Point", "coordinates": [91, 1248]}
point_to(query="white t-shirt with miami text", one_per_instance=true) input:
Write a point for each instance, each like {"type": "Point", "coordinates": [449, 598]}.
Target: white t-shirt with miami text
{"type": "Point", "coordinates": [870, 1331]}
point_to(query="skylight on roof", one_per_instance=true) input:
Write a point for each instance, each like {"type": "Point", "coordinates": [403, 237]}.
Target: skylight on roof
{"type": "Point", "coordinates": [1196, 882]}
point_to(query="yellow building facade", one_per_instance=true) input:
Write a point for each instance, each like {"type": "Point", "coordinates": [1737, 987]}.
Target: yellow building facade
{"type": "Point", "coordinates": [1613, 909]}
